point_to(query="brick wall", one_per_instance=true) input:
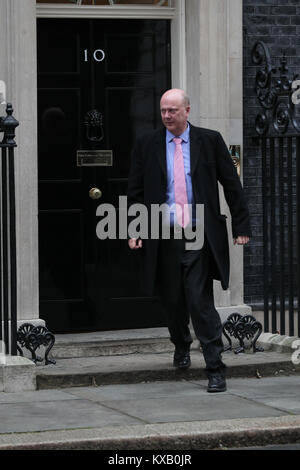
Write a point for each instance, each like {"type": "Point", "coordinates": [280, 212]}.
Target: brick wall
{"type": "Point", "coordinates": [277, 23]}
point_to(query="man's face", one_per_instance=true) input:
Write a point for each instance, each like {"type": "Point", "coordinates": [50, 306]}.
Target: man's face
{"type": "Point", "coordinates": [174, 113]}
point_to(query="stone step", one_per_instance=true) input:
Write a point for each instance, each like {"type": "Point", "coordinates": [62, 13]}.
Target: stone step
{"type": "Point", "coordinates": [110, 343]}
{"type": "Point", "coordinates": [137, 368]}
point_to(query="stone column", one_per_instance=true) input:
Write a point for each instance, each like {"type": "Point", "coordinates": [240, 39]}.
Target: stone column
{"type": "Point", "coordinates": [18, 70]}
{"type": "Point", "coordinates": [215, 85]}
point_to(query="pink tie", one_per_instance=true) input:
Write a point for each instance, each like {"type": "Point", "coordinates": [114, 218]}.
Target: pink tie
{"type": "Point", "coordinates": [181, 199]}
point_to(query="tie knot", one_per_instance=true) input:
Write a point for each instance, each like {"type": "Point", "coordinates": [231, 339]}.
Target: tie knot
{"type": "Point", "coordinates": [177, 140]}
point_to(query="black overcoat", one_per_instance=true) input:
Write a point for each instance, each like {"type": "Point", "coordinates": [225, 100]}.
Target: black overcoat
{"type": "Point", "coordinates": [210, 163]}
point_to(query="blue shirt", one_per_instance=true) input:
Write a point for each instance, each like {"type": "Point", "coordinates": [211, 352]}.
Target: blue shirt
{"type": "Point", "coordinates": [185, 136]}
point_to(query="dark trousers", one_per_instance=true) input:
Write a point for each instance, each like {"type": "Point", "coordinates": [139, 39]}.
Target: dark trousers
{"type": "Point", "coordinates": [186, 290]}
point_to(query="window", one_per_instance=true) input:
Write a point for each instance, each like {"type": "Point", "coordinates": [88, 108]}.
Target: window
{"type": "Point", "coordinates": [165, 3]}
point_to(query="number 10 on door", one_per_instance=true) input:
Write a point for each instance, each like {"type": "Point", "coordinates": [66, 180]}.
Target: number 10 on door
{"type": "Point", "coordinates": [98, 55]}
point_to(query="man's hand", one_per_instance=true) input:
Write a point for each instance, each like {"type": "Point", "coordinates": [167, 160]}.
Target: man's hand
{"type": "Point", "coordinates": [135, 244]}
{"type": "Point", "coordinates": [241, 240]}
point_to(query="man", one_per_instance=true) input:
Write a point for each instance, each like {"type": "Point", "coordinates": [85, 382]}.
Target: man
{"type": "Point", "coordinates": [181, 165]}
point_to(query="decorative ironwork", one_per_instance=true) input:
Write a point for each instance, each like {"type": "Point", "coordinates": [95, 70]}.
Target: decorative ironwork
{"type": "Point", "coordinates": [8, 125]}
{"type": "Point", "coordinates": [242, 327]}
{"type": "Point", "coordinates": [235, 153]}
{"type": "Point", "coordinates": [274, 91]}
{"type": "Point", "coordinates": [32, 337]}
{"type": "Point", "coordinates": [93, 121]}
{"type": "Point", "coordinates": [278, 126]}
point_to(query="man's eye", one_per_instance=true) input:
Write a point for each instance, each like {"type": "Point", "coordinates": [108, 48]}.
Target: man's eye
{"type": "Point", "coordinates": [170, 111]}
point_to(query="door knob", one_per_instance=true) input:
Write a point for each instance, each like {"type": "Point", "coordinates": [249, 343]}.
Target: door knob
{"type": "Point", "coordinates": [95, 193]}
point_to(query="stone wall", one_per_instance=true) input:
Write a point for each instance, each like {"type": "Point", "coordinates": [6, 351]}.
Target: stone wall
{"type": "Point", "coordinates": [18, 70]}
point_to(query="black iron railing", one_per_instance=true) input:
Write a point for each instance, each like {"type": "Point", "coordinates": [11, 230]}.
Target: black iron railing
{"type": "Point", "coordinates": [8, 281]}
{"type": "Point", "coordinates": [281, 235]}
{"type": "Point", "coordinates": [278, 127]}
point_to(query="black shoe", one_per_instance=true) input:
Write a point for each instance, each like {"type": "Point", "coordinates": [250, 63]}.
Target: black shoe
{"type": "Point", "coordinates": [182, 359]}
{"type": "Point", "coordinates": [216, 383]}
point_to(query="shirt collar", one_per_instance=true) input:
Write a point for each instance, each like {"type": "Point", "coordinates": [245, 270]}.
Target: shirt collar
{"type": "Point", "coordinates": [185, 136]}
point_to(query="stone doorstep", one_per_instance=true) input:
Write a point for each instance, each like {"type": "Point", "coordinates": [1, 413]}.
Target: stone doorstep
{"type": "Point", "coordinates": [189, 436]}
{"type": "Point", "coordinates": [139, 341]}
{"type": "Point", "coordinates": [21, 374]}
{"type": "Point", "coordinates": [96, 378]}
{"type": "Point", "coordinates": [117, 342]}
{"type": "Point", "coordinates": [109, 343]}
{"type": "Point", "coordinates": [110, 348]}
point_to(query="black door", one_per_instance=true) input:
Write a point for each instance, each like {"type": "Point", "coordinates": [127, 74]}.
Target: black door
{"type": "Point", "coordinates": [120, 69]}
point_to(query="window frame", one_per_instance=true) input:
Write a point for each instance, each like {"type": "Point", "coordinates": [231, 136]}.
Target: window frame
{"type": "Point", "coordinates": [59, 10]}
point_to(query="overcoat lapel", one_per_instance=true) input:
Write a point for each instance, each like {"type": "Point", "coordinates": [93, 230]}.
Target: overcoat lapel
{"type": "Point", "coordinates": [195, 148]}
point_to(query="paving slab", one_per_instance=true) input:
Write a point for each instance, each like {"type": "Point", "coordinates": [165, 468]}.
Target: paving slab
{"type": "Point", "coordinates": [153, 403]}
{"type": "Point", "coordinates": [140, 401]}
{"type": "Point", "coordinates": [163, 402]}
{"type": "Point", "coordinates": [266, 387]}
{"type": "Point", "coordinates": [220, 406]}
{"type": "Point", "coordinates": [286, 404]}
{"type": "Point", "coordinates": [58, 414]}
{"type": "Point", "coordinates": [160, 402]}
{"type": "Point", "coordinates": [35, 396]}
{"type": "Point", "coordinates": [157, 390]}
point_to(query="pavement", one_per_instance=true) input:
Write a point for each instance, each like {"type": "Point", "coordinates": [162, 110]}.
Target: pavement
{"type": "Point", "coordinates": [136, 400]}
